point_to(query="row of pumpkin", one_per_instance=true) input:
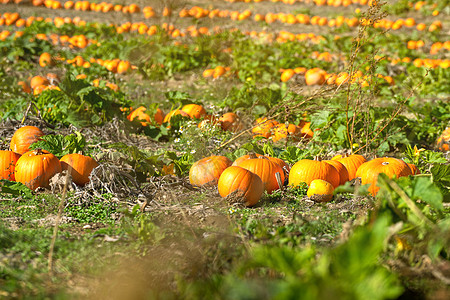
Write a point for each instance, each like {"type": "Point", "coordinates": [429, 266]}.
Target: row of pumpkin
{"type": "Point", "coordinates": [250, 175]}
{"type": "Point", "coordinates": [35, 168]}
{"type": "Point", "coordinates": [264, 127]}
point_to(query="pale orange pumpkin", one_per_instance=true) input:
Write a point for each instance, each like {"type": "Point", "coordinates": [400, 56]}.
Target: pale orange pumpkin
{"type": "Point", "coordinates": [207, 170]}
{"type": "Point", "coordinates": [243, 183]}
{"type": "Point", "coordinates": [81, 167]}
{"type": "Point", "coordinates": [24, 137]}
{"type": "Point", "coordinates": [392, 167]}
{"type": "Point", "coordinates": [35, 168]}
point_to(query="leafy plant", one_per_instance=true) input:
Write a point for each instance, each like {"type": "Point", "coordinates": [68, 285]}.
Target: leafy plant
{"type": "Point", "coordinates": [60, 145]}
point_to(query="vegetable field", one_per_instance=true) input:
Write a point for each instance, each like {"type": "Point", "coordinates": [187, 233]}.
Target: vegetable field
{"type": "Point", "coordinates": [226, 149]}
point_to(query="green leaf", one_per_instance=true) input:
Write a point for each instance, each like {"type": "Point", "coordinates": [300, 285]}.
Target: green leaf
{"type": "Point", "coordinates": [15, 188]}
{"type": "Point", "coordinates": [427, 191]}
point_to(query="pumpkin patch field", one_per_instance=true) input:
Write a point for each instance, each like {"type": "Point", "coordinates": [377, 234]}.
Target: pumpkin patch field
{"type": "Point", "coordinates": [226, 149]}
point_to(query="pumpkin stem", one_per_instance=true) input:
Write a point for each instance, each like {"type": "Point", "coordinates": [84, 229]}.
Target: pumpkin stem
{"type": "Point", "coordinates": [38, 151]}
{"type": "Point", "coordinates": [278, 178]}
{"type": "Point", "coordinates": [317, 158]}
{"type": "Point", "coordinates": [252, 155]}
{"type": "Point", "coordinates": [385, 163]}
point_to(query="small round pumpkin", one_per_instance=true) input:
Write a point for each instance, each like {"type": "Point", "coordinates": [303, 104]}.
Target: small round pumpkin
{"type": "Point", "coordinates": [207, 170]}
{"type": "Point", "coordinates": [81, 165]}
{"type": "Point", "coordinates": [194, 110]}
{"type": "Point", "coordinates": [369, 171]}
{"type": "Point", "coordinates": [8, 160]}
{"type": "Point", "coordinates": [306, 170]}
{"type": "Point", "coordinates": [244, 183]}
{"type": "Point", "coordinates": [266, 170]}
{"type": "Point", "coordinates": [320, 190]}
{"type": "Point", "coordinates": [35, 168]}
{"type": "Point", "coordinates": [24, 137]}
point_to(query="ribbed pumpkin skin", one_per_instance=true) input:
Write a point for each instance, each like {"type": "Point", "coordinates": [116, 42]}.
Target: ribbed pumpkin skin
{"type": "Point", "coordinates": [390, 166]}
{"type": "Point", "coordinates": [207, 170]}
{"type": "Point", "coordinates": [245, 157]}
{"type": "Point", "coordinates": [306, 170]}
{"type": "Point", "coordinates": [35, 168]}
{"type": "Point", "coordinates": [82, 167]}
{"type": "Point", "coordinates": [24, 137]}
{"type": "Point", "coordinates": [266, 170]}
{"type": "Point", "coordinates": [342, 170]}
{"type": "Point", "coordinates": [414, 169]}
{"type": "Point", "coordinates": [320, 191]}
{"type": "Point", "coordinates": [194, 110]}
{"type": "Point", "coordinates": [8, 160]}
{"type": "Point", "coordinates": [352, 163]}
{"type": "Point", "coordinates": [249, 185]}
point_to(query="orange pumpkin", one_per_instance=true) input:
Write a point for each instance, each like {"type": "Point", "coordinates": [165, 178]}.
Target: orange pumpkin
{"type": "Point", "coordinates": [24, 137]}
{"type": "Point", "coordinates": [239, 160]}
{"type": "Point", "coordinates": [352, 163]}
{"type": "Point", "coordinates": [276, 160]}
{"type": "Point", "coordinates": [174, 113]}
{"type": "Point", "coordinates": [140, 114]}
{"type": "Point", "coordinates": [392, 167]}
{"type": "Point", "coordinates": [306, 170]}
{"type": "Point", "coordinates": [282, 131]}
{"type": "Point", "coordinates": [342, 170]}
{"type": "Point", "coordinates": [266, 170]}
{"type": "Point", "coordinates": [230, 121]}
{"type": "Point", "coordinates": [443, 142]}
{"type": "Point", "coordinates": [38, 80]}
{"type": "Point", "coordinates": [207, 170]}
{"type": "Point", "coordinates": [242, 182]}
{"type": "Point", "coordinates": [414, 169]}
{"type": "Point", "coordinates": [35, 168]}
{"type": "Point", "coordinates": [315, 76]}
{"type": "Point", "coordinates": [81, 165]}
{"type": "Point", "coordinates": [194, 110]}
{"type": "Point", "coordinates": [159, 116]}
{"type": "Point", "coordinates": [45, 59]}
{"type": "Point", "coordinates": [8, 161]}
{"type": "Point", "coordinates": [264, 127]}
